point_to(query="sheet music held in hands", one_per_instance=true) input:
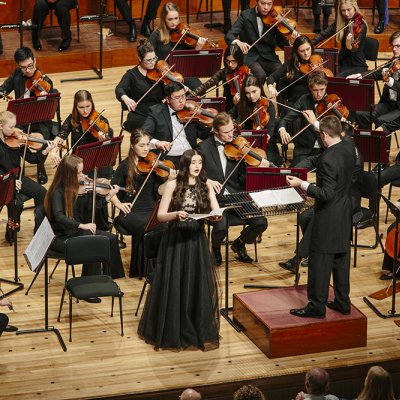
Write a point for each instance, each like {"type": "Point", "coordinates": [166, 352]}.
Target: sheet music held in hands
{"type": "Point", "coordinates": [214, 213]}
{"type": "Point", "coordinates": [277, 197]}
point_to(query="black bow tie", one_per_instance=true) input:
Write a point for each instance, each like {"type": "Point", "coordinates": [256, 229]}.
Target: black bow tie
{"type": "Point", "coordinates": [219, 144]}
{"type": "Point", "coordinates": [174, 113]}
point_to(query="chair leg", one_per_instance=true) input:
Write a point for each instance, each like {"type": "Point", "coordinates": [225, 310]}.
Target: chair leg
{"type": "Point", "coordinates": [387, 208]}
{"type": "Point", "coordinates": [141, 297]}
{"type": "Point", "coordinates": [121, 315]}
{"type": "Point", "coordinates": [54, 270]}
{"type": "Point", "coordinates": [70, 317]}
{"type": "Point", "coordinates": [34, 279]}
{"type": "Point", "coordinates": [397, 139]}
{"type": "Point", "coordinates": [255, 251]}
{"type": "Point", "coordinates": [355, 246]}
{"type": "Point", "coordinates": [64, 289]}
{"type": "Point", "coordinates": [112, 306]}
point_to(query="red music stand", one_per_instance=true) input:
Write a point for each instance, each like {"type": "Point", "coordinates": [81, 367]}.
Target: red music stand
{"type": "Point", "coordinates": [196, 63]}
{"type": "Point", "coordinates": [99, 154]}
{"type": "Point", "coordinates": [260, 136]}
{"type": "Point", "coordinates": [35, 109]}
{"type": "Point", "coordinates": [7, 194]}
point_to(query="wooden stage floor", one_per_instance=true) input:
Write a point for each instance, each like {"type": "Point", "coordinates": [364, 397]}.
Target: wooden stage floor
{"type": "Point", "coordinates": [100, 363]}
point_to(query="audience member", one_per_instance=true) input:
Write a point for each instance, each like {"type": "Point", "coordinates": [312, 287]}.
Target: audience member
{"type": "Point", "coordinates": [377, 385]}
{"type": "Point", "coordinates": [248, 392]}
{"type": "Point", "coordinates": [190, 394]}
{"type": "Point", "coordinates": [316, 384]}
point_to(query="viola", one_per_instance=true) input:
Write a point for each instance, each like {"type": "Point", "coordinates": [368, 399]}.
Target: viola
{"type": "Point", "coordinates": [204, 116]}
{"type": "Point", "coordinates": [239, 146]}
{"type": "Point", "coordinates": [162, 168]}
{"type": "Point", "coordinates": [314, 63]}
{"type": "Point", "coordinates": [190, 36]}
{"type": "Point", "coordinates": [37, 84]}
{"type": "Point", "coordinates": [95, 125]}
{"type": "Point", "coordinates": [160, 68]}
{"type": "Point", "coordinates": [103, 186]}
{"type": "Point", "coordinates": [393, 68]}
{"type": "Point", "coordinates": [355, 28]}
{"type": "Point", "coordinates": [261, 117]}
{"type": "Point", "coordinates": [18, 139]}
{"type": "Point", "coordinates": [240, 75]}
{"type": "Point", "coordinates": [285, 25]}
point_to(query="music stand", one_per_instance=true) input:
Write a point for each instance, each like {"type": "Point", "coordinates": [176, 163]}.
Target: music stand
{"type": "Point", "coordinates": [196, 63]}
{"type": "Point", "coordinates": [212, 24]}
{"type": "Point", "coordinates": [35, 255]}
{"type": "Point", "coordinates": [101, 17]}
{"type": "Point", "coordinates": [392, 312]}
{"type": "Point", "coordinates": [218, 103]}
{"type": "Point", "coordinates": [7, 194]}
{"type": "Point", "coordinates": [260, 136]}
{"type": "Point", "coordinates": [99, 154]}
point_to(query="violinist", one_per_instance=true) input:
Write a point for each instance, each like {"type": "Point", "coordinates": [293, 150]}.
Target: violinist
{"type": "Point", "coordinates": [10, 158]}
{"type": "Point", "coordinates": [166, 129]}
{"type": "Point", "coordinates": [135, 83]}
{"type": "Point", "coordinates": [161, 37]}
{"type": "Point", "coordinates": [233, 66]}
{"type": "Point", "coordinates": [261, 58]}
{"type": "Point", "coordinates": [388, 257]}
{"type": "Point", "coordinates": [218, 166]}
{"type": "Point", "coordinates": [20, 81]}
{"type": "Point", "coordinates": [351, 55]}
{"type": "Point", "coordinates": [135, 219]}
{"type": "Point", "coordinates": [61, 209]}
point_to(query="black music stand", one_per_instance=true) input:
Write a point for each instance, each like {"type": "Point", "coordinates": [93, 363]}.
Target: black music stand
{"type": "Point", "coordinates": [372, 145]}
{"type": "Point", "coordinates": [101, 17]}
{"type": "Point", "coordinates": [99, 154]}
{"type": "Point", "coordinates": [35, 255]}
{"type": "Point", "coordinates": [196, 63]}
{"type": "Point", "coordinates": [212, 24]}
{"type": "Point", "coordinates": [392, 312]}
{"type": "Point", "coordinates": [7, 194]}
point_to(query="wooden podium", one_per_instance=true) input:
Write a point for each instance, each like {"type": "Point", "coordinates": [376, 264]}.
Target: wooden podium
{"type": "Point", "coordinates": [265, 319]}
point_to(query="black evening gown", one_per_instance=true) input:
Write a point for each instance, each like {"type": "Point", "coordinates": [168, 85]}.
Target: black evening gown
{"type": "Point", "coordinates": [181, 309]}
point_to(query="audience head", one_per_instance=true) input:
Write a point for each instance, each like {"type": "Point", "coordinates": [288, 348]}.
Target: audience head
{"type": "Point", "coordinates": [377, 386]}
{"type": "Point", "coordinates": [317, 381]}
{"type": "Point", "coordinates": [190, 394]}
{"type": "Point", "coordinates": [248, 392]}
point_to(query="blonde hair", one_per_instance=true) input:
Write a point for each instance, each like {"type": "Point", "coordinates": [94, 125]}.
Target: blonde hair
{"type": "Point", "coordinates": [342, 21]}
{"type": "Point", "coordinates": [378, 385]}
{"type": "Point", "coordinates": [7, 116]}
{"type": "Point", "coordinates": [164, 31]}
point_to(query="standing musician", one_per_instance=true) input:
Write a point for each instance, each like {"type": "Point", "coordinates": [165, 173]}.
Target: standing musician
{"type": "Point", "coordinates": [218, 166]}
{"type": "Point", "coordinates": [10, 158]}
{"type": "Point", "coordinates": [383, 12]}
{"type": "Point", "coordinates": [61, 207]}
{"type": "Point", "coordinates": [62, 10]}
{"type": "Point", "coordinates": [166, 129]}
{"type": "Point", "coordinates": [226, 7]}
{"type": "Point", "coordinates": [261, 58]}
{"type": "Point", "coordinates": [331, 229]}
{"type": "Point", "coordinates": [351, 55]}
{"type": "Point", "coordinates": [317, 5]}
{"type": "Point", "coordinates": [21, 81]}
{"type": "Point", "coordinates": [135, 83]}
{"type": "Point", "coordinates": [233, 67]}
{"type": "Point", "coordinates": [131, 175]}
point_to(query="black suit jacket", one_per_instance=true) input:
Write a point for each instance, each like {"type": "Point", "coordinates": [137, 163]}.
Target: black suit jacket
{"type": "Point", "coordinates": [331, 230]}
{"type": "Point", "coordinates": [246, 29]}
{"type": "Point", "coordinates": [159, 125]}
{"type": "Point", "coordinates": [377, 76]}
{"type": "Point", "coordinates": [213, 167]}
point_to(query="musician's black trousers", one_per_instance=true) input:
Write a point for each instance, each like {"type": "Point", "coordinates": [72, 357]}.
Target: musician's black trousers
{"type": "Point", "coordinates": [254, 227]}
{"type": "Point", "coordinates": [3, 322]}
{"type": "Point", "coordinates": [227, 4]}
{"type": "Point", "coordinates": [124, 9]}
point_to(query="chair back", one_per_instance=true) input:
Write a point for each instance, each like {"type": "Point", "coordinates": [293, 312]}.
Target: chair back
{"type": "Point", "coordinates": [87, 249]}
{"type": "Point", "coordinates": [371, 48]}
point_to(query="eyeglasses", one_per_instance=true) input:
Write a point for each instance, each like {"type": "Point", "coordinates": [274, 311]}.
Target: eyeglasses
{"type": "Point", "coordinates": [230, 61]}
{"type": "Point", "coordinates": [150, 60]}
{"type": "Point", "coordinates": [395, 46]}
{"type": "Point", "coordinates": [178, 98]}
{"type": "Point", "coordinates": [29, 66]}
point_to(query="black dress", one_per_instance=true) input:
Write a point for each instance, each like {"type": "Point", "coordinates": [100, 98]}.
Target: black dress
{"type": "Point", "coordinates": [181, 308]}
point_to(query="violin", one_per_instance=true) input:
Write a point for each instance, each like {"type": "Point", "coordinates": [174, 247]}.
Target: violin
{"type": "Point", "coordinates": [18, 139]}
{"type": "Point", "coordinates": [314, 63]}
{"type": "Point", "coordinates": [95, 125]}
{"type": "Point", "coordinates": [204, 116]}
{"type": "Point", "coordinates": [340, 110]}
{"type": "Point", "coordinates": [239, 146]}
{"type": "Point", "coordinates": [355, 28]}
{"type": "Point", "coordinates": [103, 186]}
{"type": "Point", "coordinates": [261, 117]}
{"type": "Point", "coordinates": [240, 74]}
{"type": "Point", "coordinates": [394, 67]}
{"type": "Point", "coordinates": [162, 168]}
{"type": "Point", "coordinates": [190, 36]}
{"type": "Point", "coordinates": [160, 68]}
{"type": "Point", "coordinates": [285, 25]}
{"type": "Point", "coordinates": [37, 84]}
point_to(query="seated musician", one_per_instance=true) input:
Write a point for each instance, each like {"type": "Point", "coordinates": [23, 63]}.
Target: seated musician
{"type": "Point", "coordinates": [135, 83]}
{"type": "Point", "coordinates": [306, 144]}
{"type": "Point", "coordinates": [252, 98]}
{"type": "Point", "coordinates": [10, 159]}
{"type": "Point", "coordinates": [19, 82]}
{"type": "Point", "coordinates": [167, 132]}
{"type": "Point", "coordinates": [62, 10]}
{"type": "Point", "coordinates": [261, 58]}
{"type": "Point", "coordinates": [387, 263]}
{"type": "Point", "coordinates": [233, 66]}
{"type": "Point", "coordinates": [218, 167]}
{"type": "Point", "coordinates": [351, 55]}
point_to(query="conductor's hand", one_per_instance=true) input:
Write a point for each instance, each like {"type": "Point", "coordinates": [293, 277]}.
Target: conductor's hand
{"type": "Point", "coordinates": [243, 46]}
{"type": "Point", "coordinates": [215, 185]}
{"type": "Point", "coordinates": [18, 184]}
{"type": "Point", "coordinates": [285, 137]}
{"type": "Point", "coordinates": [163, 145]}
{"type": "Point", "coordinates": [125, 207]}
{"type": "Point", "coordinates": [88, 227]}
{"type": "Point", "coordinates": [181, 215]}
{"type": "Point", "coordinates": [293, 181]}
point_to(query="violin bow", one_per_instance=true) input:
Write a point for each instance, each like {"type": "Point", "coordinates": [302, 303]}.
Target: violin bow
{"type": "Point", "coordinates": [94, 195]}
{"type": "Point", "coordinates": [22, 163]}
{"type": "Point", "coordinates": [330, 37]}
{"type": "Point", "coordinates": [284, 105]}
{"type": "Point", "coordinates": [187, 123]}
{"type": "Point", "coordinates": [145, 181]}
{"type": "Point", "coordinates": [319, 116]}
{"type": "Point", "coordinates": [183, 33]}
{"type": "Point", "coordinates": [253, 113]}
{"type": "Point", "coordinates": [219, 85]}
{"type": "Point", "coordinates": [272, 26]}
{"type": "Point", "coordinates": [393, 59]}
{"type": "Point", "coordinates": [303, 76]}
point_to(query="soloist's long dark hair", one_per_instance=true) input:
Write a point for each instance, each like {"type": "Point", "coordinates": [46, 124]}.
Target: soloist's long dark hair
{"type": "Point", "coordinates": [182, 185]}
